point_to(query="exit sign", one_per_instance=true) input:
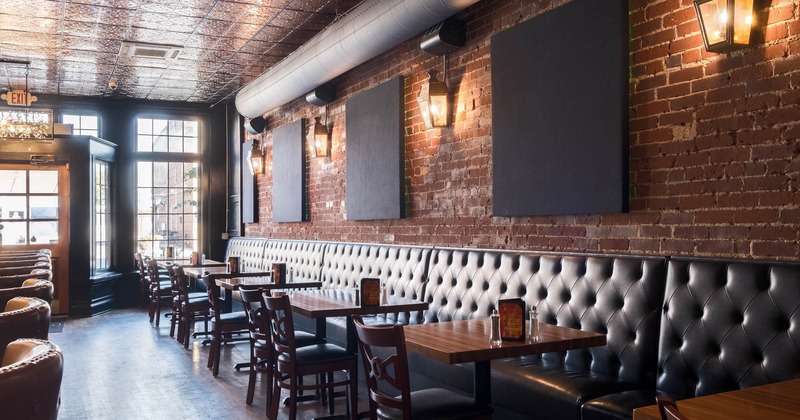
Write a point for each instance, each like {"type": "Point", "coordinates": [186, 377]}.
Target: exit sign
{"type": "Point", "coordinates": [19, 98]}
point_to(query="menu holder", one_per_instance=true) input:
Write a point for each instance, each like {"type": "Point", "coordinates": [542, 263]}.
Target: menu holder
{"type": "Point", "coordinates": [512, 319]}
{"type": "Point", "coordinates": [370, 292]}
{"type": "Point", "coordinates": [279, 273]}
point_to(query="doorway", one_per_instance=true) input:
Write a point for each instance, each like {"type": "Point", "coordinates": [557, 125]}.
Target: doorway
{"type": "Point", "coordinates": [34, 214]}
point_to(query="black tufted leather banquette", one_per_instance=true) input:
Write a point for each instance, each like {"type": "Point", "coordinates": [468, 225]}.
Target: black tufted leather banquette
{"type": "Point", "coordinates": [725, 325]}
{"type": "Point", "coordinates": [682, 328]}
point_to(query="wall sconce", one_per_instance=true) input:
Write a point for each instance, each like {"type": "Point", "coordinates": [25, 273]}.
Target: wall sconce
{"type": "Point", "coordinates": [725, 24]}
{"type": "Point", "coordinates": [321, 144]}
{"type": "Point", "coordinates": [433, 101]}
{"type": "Point", "coordinates": [256, 158]}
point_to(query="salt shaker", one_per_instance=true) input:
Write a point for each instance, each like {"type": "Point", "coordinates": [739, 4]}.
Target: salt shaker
{"type": "Point", "coordinates": [290, 276]}
{"type": "Point", "coordinates": [494, 332]}
{"type": "Point", "coordinates": [356, 296]}
{"type": "Point", "coordinates": [533, 326]}
{"type": "Point", "coordinates": [383, 295]}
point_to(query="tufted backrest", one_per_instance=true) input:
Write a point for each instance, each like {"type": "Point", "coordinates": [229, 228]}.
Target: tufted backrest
{"type": "Point", "coordinates": [617, 295]}
{"type": "Point", "coordinates": [16, 280]}
{"type": "Point", "coordinates": [23, 317]}
{"type": "Point", "coordinates": [24, 268]}
{"type": "Point", "coordinates": [30, 380]}
{"type": "Point", "coordinates": [304, 258]}
{"type": "Point", "coordinates": [728, 325]}
{"type": "Point", "coordinates": [402, 269]}
{"type": "Point", "coordinates": [249, 250]}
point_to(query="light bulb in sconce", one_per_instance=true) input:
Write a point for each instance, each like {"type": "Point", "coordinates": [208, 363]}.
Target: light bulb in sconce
{"type": "Point", "coordinates": [256, 158]}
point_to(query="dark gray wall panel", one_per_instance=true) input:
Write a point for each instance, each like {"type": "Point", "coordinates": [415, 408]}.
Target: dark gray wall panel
{"type": "Point", "coordinates": [559, 112]}
{"type": "Point", "coordinates": [288, 172]}
{"type": "Point", "coordinates": [375, 152]}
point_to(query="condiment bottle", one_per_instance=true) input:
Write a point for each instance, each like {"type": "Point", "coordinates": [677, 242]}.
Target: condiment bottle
{"type": "Point", "coordinates": [533, 326]}
{"type": "Point", "coordinates": [494, 332]}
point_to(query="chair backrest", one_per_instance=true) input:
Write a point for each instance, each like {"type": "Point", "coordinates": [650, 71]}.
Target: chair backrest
{"type": "Point", "coordinates": [279, 311]}
{"type": "Point", "coordinates": [383, 353]}
{"type": "Point", "coordinates": [24, 317]}
{"type": "Point", "coordinates": [41, 289]}
{"type": "Point", "coordinates": [30, 380]}
{"type": "Point", "coordinates": [668, 409]}
{"type": "Point", "coordinates": [217, 304]}
{"type": "Point", "coordinates": [253, 302]}
{"type": "Point", "coordinates": [181, 282]}
{"type": "Point", "coordinates": [140, 265]}
{"type": "Point", "coordinates": [152, 273]}
{"type": "Point", "coordinates": [173, 279]}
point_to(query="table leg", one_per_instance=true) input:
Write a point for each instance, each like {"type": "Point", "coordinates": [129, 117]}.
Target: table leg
{"type": "Point", "coordinates": [483, 382]}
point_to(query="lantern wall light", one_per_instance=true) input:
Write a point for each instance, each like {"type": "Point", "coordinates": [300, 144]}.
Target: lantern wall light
{"type": "Point", "coordinates": [434, 101]}
{"type": "Point", "coordinates": [256, 158]}
{"type": "Point", "coordinates": [322, 145]}
{"type": "Point", "coordinates": [725, 24]}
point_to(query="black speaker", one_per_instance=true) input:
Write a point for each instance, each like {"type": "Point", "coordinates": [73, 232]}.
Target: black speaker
{"type": "Point", "coordinates": [255, 125]}
{"type": "Point", "coordinates": [444, 37]}
{"type": "Point", "coordinates": [322, 95]}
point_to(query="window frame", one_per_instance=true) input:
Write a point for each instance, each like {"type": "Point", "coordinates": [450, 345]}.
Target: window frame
{"type": "Point", "coordinates": [197, 158]}
{"type": "Point", "coordinates": [109, 217]}
{"type": "Point", "coordinates": [81, 114]}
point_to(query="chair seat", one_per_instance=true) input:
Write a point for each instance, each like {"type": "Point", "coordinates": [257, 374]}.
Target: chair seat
{"type": "Point", "coordinates": [301, 339]}
{"type": "Point", "coordinates": [318, 353]}
{"type": "Point", "coordinates": [232, 318]}
{"type": "Point", "coordinates": [198, 295]}
{"type": "Point", "coordinates": [438, 404]}
{"type": "Point", "coordinates": [198, 299]}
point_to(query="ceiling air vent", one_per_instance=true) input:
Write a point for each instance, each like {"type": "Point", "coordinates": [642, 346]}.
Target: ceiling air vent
{"type": "Point", "coordinates": [157, 51]}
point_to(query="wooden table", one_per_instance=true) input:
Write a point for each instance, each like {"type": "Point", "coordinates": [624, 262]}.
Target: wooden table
{"type": "Point", "coordinates": [185, 263]}
{"type": "Point", "coordinates": [777, 401]}
{"type": "Point", "coordinates": [217, 273]}
{"type": "Point", "coordinates": [468, 341]}
{"type": "Point", "coordinates": [321, 304]}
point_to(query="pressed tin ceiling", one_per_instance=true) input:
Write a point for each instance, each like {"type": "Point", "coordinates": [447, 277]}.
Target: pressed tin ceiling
{"type": "Point", "coordinates": [73, 46]}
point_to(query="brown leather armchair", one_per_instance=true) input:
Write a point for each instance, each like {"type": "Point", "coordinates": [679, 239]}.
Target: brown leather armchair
{"type": "Point", "coordinates": [41, 289]}
{"type": "Point", "coordinates": [24, 317]}
{"type": "Point", "coordinates": [30, 379]}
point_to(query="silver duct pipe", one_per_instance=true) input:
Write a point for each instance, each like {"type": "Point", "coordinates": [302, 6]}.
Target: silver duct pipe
{"type": "Point", "coordinates": [367, 31]}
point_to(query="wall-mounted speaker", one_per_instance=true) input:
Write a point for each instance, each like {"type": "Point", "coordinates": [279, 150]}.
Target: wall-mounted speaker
{"type": "Point", "coordinates": [322, 95]}
{"type": "Point", "coordinates": [444, 37]}
{"type": "Point", "coordinates": [255, 125]}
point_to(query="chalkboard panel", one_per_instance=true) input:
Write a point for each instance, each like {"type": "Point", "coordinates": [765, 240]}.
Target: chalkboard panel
{"type": "Point", "coordinates": [375, 152]}
{"type": "Point", "coordinates": [560, 112]}
{"type": "Point", "coordinates": [288, 172]}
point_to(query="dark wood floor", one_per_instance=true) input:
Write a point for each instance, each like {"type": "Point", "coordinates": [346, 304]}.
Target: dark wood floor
{"type": "Point", "coordinates": [119, 366]}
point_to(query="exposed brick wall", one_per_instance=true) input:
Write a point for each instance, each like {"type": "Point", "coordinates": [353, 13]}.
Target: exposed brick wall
{"type": "Point", "coordinates": [714, 150]}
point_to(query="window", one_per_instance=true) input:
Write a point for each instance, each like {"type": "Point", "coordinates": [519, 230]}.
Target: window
{"type": "Point", "coordinates": [102, 218]}
{"type": "Point", "coordinates": [83, 125]}
{"type": "Point", "coordinates": [28, 207]}
{"type": "Point", "coordinates": [173, 136]}
{"type": "Point", "coordinates": [167, 175]}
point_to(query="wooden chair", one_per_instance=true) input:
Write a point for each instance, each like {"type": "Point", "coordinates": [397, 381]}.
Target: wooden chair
{"type": "Point", "coordinates": [160, 291]}
{"type": "Point", "coordinates": [261, 352]}
{"type": "Point", "coordinates": [390, 395]}
{"type": "Point", "coordinates": [668, 409]}
{"type": "Point", "coordinates": [193, 306]}
{"type": "Point", "coordinates": [225, 327]}
{"type": "Point", "coordinates": [144, 281]}
{"type": "Point", "coordinates": [293, 362]}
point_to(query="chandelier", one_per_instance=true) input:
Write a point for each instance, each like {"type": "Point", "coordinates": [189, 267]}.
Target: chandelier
{"type": "Point", "coordinates": [26, 124]}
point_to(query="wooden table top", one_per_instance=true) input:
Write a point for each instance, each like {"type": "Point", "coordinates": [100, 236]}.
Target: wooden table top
{"type": "Point", "coordinates": [468, 341]}
{"type": "Point", "coordinates": [237, 283]}
{"type": "Point", "coordinates": [221, 273]}
{"type": "Point", "coordinates": [777, 401]}
{"type": "Point", "coordinates": [329, 303]}
{"type": "Point", "coordinates": [184, 262]}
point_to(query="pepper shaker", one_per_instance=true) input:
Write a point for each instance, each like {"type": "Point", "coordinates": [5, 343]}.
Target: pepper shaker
{"type": "Point", "coordinates": [494, 333]}
{"type": "Point", "coordinates": [533, 326]}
